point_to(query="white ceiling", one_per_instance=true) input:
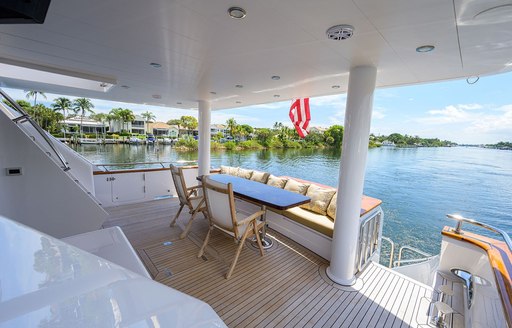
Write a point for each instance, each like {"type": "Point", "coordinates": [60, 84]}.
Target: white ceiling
{"type": "Point", "coordinates": [201, 49]}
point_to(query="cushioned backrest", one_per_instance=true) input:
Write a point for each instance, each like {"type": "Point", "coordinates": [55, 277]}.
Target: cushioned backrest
{"type": "Point", "coordinates": [243, 173]}
{"type": "Point", "coordinates": [276, 181]}
{"type": "Point", "coordinates": [260, 176]}
{"type": "Point", "coordinates": [296, 186]}
{"type": "Point", "coordinates": [331, 209]}
{"type": "Point", "coordinates": [219, 204]}
{"type": "Point", "coordinates": [178, 185]}
{"type": "Point", "coordinates": [320, 199]}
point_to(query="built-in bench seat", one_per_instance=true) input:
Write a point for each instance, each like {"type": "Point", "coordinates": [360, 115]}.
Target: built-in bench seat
{"type": "Point", "coordinates": [320, 214]}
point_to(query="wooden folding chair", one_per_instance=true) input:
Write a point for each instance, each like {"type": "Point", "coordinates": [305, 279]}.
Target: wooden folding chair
{"type": "Point", "coordinates": [188, 197]}
{"type": "Point", "coordinates": [222, 214]}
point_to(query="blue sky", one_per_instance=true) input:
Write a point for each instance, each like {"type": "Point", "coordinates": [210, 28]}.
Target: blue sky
{"type": "Point", "coordinates": [477, 113]}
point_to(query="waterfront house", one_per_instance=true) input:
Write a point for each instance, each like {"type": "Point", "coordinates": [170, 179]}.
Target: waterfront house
{"type": "Point", "coordinates": [137, 126]}
{"type": "Point", "coordinates": [89, 125]}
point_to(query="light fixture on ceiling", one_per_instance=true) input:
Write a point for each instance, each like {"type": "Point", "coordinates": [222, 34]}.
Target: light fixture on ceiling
{"type": "Point", "coordinates": [157, 96]}
{"type": "Point", "coordinates": [277, 96]}
{"type": "Point", "coordinates": [425, 48]}
{"type": "Point", "coordinates": [179, 103]}
{"type": "Point", "coordinates": [19, 70]}
{"type": "Point", "coordinates": [340, 32]}
{"type": "Point", "coordinates": [239, 86]}
{"type": "Point", "coordinates": [335, 87]}
{"type": "Point", "coordinates": [155, 65]}
{"type": "Point", "coordinates": [125, 87]}
{"type": "Point", "coordinates": [237, 12]}
{"type": "Point", "coordinates": [213, 92]}
{"type": "Point", "coordinates": [275, 77]}
{"type": "Point", "coordinates": [238, 102]}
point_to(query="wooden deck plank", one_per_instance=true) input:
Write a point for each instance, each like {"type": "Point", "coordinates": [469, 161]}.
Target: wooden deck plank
{"type": "Point", "coordinates": [284, 288]}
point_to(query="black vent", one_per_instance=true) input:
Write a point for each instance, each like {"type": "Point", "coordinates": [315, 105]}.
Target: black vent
{"type": "Point", "coordinates": [23, 11]}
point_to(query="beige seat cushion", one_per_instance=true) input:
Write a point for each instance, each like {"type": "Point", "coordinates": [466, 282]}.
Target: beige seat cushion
{"type": "Point", "coordinates": [296, 186]}
{"type": "Point", "coordinates": [276, 182]}
{"type": "Point", "coordinates": [229, 170]}
{"type": "Point", "coordinates": [331, 209]}
{"type": "Point", "coordinates": [243, 173]}
{"type": "Point", "coordinates": [260, 176]}
{"type": "Point", "coordinates": [320, 199]}
{"type": "Point", "coordinates": [315, 221]}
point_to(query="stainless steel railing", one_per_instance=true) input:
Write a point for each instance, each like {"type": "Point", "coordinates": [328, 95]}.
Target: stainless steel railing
{"type": "Point", "coordinates": [426, 256]}
{"type": "Point", "coordinates": [460, 220]}
{"type": "Point", "coordinates": [162, 164]}
{"type": "Point", "coordinates": [391, 252]}
{"type": "Point", "coordinates": [25, 117]}
{"type": "Point", "coordinates": [369, 233]}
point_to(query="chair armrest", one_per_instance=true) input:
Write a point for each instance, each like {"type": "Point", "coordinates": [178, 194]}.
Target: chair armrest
{"type": "Point", "coordinates": [250, 218]}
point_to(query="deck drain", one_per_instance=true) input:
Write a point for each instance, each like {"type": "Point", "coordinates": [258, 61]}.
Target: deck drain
{"type": "Point", "coordinates": [168, 272]}
{"type": "Point", "coordinates": [167, 243]}
{"type": "Point", "coordinates": [204, 258]}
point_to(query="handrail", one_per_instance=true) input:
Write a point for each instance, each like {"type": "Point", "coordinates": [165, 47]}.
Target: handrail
{"type": "Point", "coordinates": [460, 219]}
{"type": "Point", "coordinates": [369, 231]}
{"type": "Point", "coordinates": [26, 117]}
{"type": "Point", "coordinates": [392, 252]}
{"type": "Point", "coordinates": [146, 163]}
{"type": "Point", "coordinates": [413, 249]}
{"type": "Point", "coordinates": [398, 263]}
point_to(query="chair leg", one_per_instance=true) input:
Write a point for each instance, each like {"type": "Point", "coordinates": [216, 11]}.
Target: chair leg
{"type": "Point", "coordinates": [239, 249]}
{"type": "Point", "coordinates": [189, 225]}
{"type": "Point", "coordinates": [173, 222]}
{"type": "Point", "coordinates": [258, 239]}
{"type": "Point", "coordinates": [206, 240]}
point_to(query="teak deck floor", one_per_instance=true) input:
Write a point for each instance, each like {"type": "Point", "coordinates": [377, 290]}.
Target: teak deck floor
{"type": "Point", "coordinates": [285, 288]}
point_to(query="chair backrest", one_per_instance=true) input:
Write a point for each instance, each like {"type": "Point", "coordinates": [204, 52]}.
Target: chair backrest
{"type": "Point", "coordinates": [220, 204]}
{"type": "Point", "coordinates": [179, 184]}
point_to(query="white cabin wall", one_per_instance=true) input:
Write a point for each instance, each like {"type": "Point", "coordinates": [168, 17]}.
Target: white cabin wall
{"type": "Point", "coordinates": [44, 197]}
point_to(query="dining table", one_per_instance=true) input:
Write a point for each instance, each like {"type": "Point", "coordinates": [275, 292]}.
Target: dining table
{"type": "Point", "coordinates": [262, 195]}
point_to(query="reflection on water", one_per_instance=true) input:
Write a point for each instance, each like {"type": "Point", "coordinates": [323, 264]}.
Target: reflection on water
{"type": "Point", "coordinates": [418, 186]}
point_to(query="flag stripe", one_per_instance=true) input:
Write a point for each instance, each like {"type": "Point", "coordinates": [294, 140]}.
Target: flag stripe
{"type": "Point", "coordinates": [300, 116]}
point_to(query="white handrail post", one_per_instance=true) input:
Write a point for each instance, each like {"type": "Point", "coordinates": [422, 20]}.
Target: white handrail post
{"type": "Point", "coordinates": [204, 118]}
{"type": "Point", "coordinates": [358, 114]}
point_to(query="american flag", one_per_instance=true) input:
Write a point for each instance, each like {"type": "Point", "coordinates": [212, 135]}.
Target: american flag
{"type": "Point", "coordinates": [299, 114]}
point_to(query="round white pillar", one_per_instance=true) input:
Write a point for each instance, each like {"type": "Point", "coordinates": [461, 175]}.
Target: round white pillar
{"type": "Point", "coordinates": [204, 119]}
{"type": "Point", "coordinates": [358, 114]}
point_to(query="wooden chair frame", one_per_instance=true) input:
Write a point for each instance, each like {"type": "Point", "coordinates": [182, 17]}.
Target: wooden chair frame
{"type": "Point", "coordinates": [189, 194]}
{"type": "Point", "coordinates": [240, 239]}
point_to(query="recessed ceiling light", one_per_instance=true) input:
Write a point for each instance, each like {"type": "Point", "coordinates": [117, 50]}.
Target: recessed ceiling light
{"type": "Point", "coordinates": [238, 102]}
{"type": "Point", "coordinates": [425, 48]}
{"type": "Point", "coordinates": [125, 87]}
{"type": "Point", "coordinates": [103, 84]}
{"type": "Point", "coordinates": [277, 96]}
{"type": "Point", "coordinates": [157, 96]}
{"type": "Point", "coordinates": [239, 86]}
{"type": "Point", "coordinates": [179, 103]}
{"type": "Point", "coordinates": [237, 12]}
{"type": "Point", "coordinates": [155, 65]}
{"type": "Point", "coordinates": [213, 92]}
{"type": "Point", "coordinates": [340, 32]}
{"type": "Point", "coordinates": [275, 77]}
{"type": "Point", "coordinates": [335, 87]}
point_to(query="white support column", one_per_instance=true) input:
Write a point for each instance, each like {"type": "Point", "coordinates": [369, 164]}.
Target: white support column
{"type": "Point", "coordinates": [358, 114]}
{"type": "Point", "coordinates": [204, 119]}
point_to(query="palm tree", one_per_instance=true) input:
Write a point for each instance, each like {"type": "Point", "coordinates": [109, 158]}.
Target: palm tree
{"type": "Point", "coordinates": [63, 104]}
{"type": "Point", "coordinates": [232, 127]}
{"type": "Point", "coordinates": [101, 117]}
{"type": "Point", "coordinates": [126, 116]}
{"type": "Point", "coordinates": [33, 94]}
{"type": "Point", "coordinates": [82, 106]}
{"type": "Point", "coordinates": [148, 116]}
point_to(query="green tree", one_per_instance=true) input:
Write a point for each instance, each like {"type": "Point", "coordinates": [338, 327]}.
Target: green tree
{"type": "Point", "coordinates": [188, 122]}
{"type": "Point", "coordinates": [264, 136]}
{"type": "Point", "coordinates": [334, 136]}
{"type": "Point", "coordinates": [103, 118]}
{"type": "Point", "coordinates": [82, 106]}
{"type": "Point", "coordinates": [127, 116]}
{"type": "Point", "coordinates": [148, 117]}
{"type": "Point", "coordinates": [232, 127]}
{"type": "Point", "coordinates": [245, 130]}
{"type": "Point", "coordinates": [62, 104]}
{"type": "Point", "coordinates": [35, 113]}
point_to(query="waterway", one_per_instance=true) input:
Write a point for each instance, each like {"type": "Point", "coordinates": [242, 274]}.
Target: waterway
{"type": "Point", "coordinates": [418, 186]}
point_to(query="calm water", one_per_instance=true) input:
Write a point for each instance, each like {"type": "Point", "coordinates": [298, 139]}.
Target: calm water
{"type": "Point", "coordinates": [418, 186]}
